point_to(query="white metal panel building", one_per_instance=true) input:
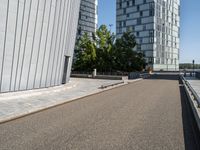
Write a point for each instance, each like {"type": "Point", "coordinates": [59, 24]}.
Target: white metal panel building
{"type": "Point", "coordinates": [37, 39]}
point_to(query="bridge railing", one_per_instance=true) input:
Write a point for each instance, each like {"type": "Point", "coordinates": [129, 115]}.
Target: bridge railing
{"type": "Point", "coordinates": [136, 75]}
{"type": "Point", "coordinates": [191, 90]}
{"type": "Point", "coordinates": [198, 75]}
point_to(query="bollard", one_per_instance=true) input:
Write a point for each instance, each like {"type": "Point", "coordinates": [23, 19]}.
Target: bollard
{"type": "Point", "coordinates": [94, 73]}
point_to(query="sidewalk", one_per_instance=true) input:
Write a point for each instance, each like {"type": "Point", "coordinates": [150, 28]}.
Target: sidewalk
{"type": "Point", "coordinates": [18, 104]}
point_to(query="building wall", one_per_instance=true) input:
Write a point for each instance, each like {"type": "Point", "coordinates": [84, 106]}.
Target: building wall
{"type": "Point", "coordinates": [87, 17]}
{"type": "Point", "coordinates": [156, 25]}
{"type": "Point", "coordinates": [35, 37]}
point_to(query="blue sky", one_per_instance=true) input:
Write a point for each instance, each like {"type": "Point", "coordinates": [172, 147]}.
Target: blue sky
{"type": "Point", "coordinates": [190, 26]}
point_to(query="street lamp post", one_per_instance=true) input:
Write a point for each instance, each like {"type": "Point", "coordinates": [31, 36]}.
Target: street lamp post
{"type": "Point", "coordinates": [193, 62]}
{"type": "Point", "coordinates": [167, 65]}
{"type": "Point", "coordinates": [110, 27]}
{"type": "Point", "coordinates": [175, 64]}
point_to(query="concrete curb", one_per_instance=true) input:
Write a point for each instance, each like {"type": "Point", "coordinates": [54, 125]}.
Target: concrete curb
{"type": "Point", "coordinates": [37, 92]}
{"type": "Point", "coordinates": [193, 104]}
{"type": "Point", "coordinates": [110, 84]}
{"type": "Point", "coordinates": [18, 116]}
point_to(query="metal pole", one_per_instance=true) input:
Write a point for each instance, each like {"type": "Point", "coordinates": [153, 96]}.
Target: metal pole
{"type": "Point", "coordinates": [110, 27]}
{"type": "Point", "coordinates": [167, 65]}
{"type": "Point", "coordinates": [193, 62]}
{"type": "Point", "coordinates": [175, 64]}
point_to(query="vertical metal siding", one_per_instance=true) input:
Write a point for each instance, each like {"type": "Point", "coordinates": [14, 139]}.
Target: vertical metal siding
{"type": "Point", "coordinates": [35, 37]}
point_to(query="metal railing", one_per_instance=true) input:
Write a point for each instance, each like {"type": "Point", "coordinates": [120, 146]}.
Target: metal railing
{"type": "Point", "coordinates": [191, 90]}
{"type": "Point", "coordinates": [198, 75]}
{"type": "Point", "coordinates": [145, 75]}
{"type": "Point", "coordinates": [136, 75]}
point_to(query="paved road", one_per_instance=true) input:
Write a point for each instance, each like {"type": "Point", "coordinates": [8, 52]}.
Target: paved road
{"type": "Point", "coordinates": [147, 115]}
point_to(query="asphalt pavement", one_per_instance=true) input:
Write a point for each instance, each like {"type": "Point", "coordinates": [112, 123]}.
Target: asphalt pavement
{"type": "Point", "coordinates": [152, 114]}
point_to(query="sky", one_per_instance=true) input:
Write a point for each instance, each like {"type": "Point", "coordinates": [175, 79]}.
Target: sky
{"type": "Point", "coordinates": [190, 26]}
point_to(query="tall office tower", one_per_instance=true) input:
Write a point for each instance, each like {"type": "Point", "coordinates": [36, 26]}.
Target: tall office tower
{"type": "Point", "coordinates": [87, 17]}
{"type": "Point", "coordinates": [36, 42]}
{"type": "Point", "coordinates": [155, 24]}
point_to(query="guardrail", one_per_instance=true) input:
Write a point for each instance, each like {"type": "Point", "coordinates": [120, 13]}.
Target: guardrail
{"type": "Point", "coordinates": [191, 90]}
{"type": "Point", "coordinates": [198, 75]}
{"type": "Point", "coordinates": [136, 75]}
{"type": "Point", "coordinates": [145, 75]}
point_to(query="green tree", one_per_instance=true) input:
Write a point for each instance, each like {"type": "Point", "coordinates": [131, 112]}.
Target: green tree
{"type": "Point", "coordinates": [127, 59]}
{"type": "Point", "coordinates": [86, 54]}
{"type": "Point", "coordinates": [104, 47]}
{"type": "Point", "coordinates": [106, 53]}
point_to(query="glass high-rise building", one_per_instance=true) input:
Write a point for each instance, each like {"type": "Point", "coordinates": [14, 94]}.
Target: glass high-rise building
{"type": "Point", "coordinates": [156, 25]}
{"type": "Point", "coordinates": [87, 17]}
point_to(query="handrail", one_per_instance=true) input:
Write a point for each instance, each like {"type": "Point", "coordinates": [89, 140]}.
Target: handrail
{"type": "Point", "coordinates": [136, 75]}
{"type": "Point", "coordinates": [193, 92]}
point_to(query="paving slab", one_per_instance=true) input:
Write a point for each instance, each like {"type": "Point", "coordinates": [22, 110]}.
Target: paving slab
{"type": "Point", "coordinates": [18, 104]}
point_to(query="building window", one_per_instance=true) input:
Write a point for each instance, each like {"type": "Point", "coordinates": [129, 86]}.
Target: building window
{"type": "Point", "coordinates": [139, 21]}
{"type": "Point", "coordinates": [120, 5]}
{"type": "Point", "coordinates": [133, 28]}
{"type": "Point", "coordinates": [124, 10]}
{"type": "Point", "coordinates": [120, 24]}
{"type": "Point", "coordinates": [138, 8]}
{"type": "Point", "coordinates": [151, 5]}
{"type": "Point", "coordinates": [127, 3]}
{"type": "Point", "coordinates": [124, 23]}
{"type": "Point", "coordinates": [151, 12]}
{"type": "Point", "coordinates": [150, 60]}
{"type": "Point", "coordinates": [129, 29]}
{"type": "Point", "coordinates": [151, 40]}
{"type": "Point", "coordinates": [79, 31]}
{"type": "Point", "coordinates": [141, 41]}
{"type": "Point", "coordinates": [144, 27]}
{"type": "Point", "coordinates": [137, 33]}
{"type": "Point", "coordinates": [141, 13]}
{"type": "Point", "coordinates": [151, 33]}
{"type": "Point", "coordinates": [139, 47]}
{"type": "Point", "coordinates": [133, 2]}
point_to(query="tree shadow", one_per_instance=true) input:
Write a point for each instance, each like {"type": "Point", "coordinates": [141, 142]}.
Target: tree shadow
{"type": "Point", "coordinates": [190, 128]}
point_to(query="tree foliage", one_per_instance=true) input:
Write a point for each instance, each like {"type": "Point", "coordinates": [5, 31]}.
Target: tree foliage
{"type": "Point", "coordinates": [106, 53]}
{"type": "Point", "coordinates": [86, 56]}
{"type": "Point", "coordinates": [189, 66]}
{"type": "Point", "coordinates": [126, 58]}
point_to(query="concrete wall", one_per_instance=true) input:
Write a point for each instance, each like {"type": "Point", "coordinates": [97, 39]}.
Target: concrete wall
{"type": "Point", "coordinates": [35, 37]}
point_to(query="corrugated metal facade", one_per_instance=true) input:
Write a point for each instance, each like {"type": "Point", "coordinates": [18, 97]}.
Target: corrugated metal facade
{"type": "Point", "coordinates": [36, 36]}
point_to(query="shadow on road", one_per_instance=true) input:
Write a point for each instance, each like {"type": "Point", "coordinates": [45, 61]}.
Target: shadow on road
{"type": "Point", "coordinates": [190, 129]}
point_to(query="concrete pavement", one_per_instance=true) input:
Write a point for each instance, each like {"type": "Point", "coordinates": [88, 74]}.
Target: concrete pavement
{"type": "Point", "coordinates": [16, 104]}
{"type": "Point", "coordinates": [149, 115]}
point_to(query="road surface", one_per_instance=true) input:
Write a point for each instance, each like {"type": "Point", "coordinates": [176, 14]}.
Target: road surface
{"type": "Point", "coordinates": [152, 114]}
